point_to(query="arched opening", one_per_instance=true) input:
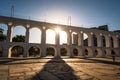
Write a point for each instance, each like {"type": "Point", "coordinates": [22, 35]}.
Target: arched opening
{"type": "Point", "coordinates": [63, 37]}
{"type": "Point", "coordinates": [94, 40]}
{"type": "Point", "coordinates": [85, 39]}
{"type": "Point", "coordinates": [96, 53]}
{"type": "Point", "coordinates": [35, 35]}
{"type": "Point", "coordinates": [119, 42]}
{"type": "Point", "coordinates": [19, 34]}
{"type": "Point", "coordinates": [17, 51]}
{"type": "Point", "coordinates": [50, 36]}
{"type": "Point", "coordinates": [104, 41]}
{"type": "Point", "coordinates": [3, 32]}
{"type": "Point", "coordinates": [113, 52]}
{"type": "Point", "coordinates": [34, 51]}
{"type": "Point", "coordinates": [74, 38]}
{"type": "Point", "coordinates": [111, 42]}
{"type": "Point", "coordinates": [75, 52]}
{"type": "Point", "coordinates": [63, 51]}
{"type": "Point", "coordinates": [50, 51]}
{"type": "Point", "coordinates": [86, 52]}
{"type": "Point", "coordinates": [105, 52]}
{"type": "Point", "coordinates": [1, 51]}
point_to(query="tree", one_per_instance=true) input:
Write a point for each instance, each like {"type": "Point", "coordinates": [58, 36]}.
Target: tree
{"type": "Point", "coordinates": [19, 38]}
{"type": "Point", "coordinates": [2, 36]}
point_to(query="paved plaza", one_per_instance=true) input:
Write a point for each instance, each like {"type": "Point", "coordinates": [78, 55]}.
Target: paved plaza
{"type": "Point", "coordinates": [59, 69]}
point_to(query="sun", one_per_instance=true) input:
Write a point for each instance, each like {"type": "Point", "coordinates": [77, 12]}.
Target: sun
{"type": "Point", "coordinates": [58, 30]}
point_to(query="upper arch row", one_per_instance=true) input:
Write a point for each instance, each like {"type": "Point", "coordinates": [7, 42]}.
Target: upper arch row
{"type": "Point", "coordinates": [65, 28]}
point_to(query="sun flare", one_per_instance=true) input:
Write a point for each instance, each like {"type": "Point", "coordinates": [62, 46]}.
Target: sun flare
{"type": "Point", "coordinates": [57, 30]}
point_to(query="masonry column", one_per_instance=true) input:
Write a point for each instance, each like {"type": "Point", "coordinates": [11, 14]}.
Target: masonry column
{"type": "Point", "coordinates": [80, 43]}
{"type": "Point", "coordinates": [90, 40]}
{"type": "Point", "coordinates": [107, 38]}
{"type": "Point", "coordinates": [108, 45]}
{"type": "Point", "coordinates": [69, 42]}
{"type": "Point", "coordinates": [26, 53]}
{"type": "Point", "coordinates": [80, 39]}
{"type": "Point", "coordinates": [6, 52]}
{"type": "Point", "coordinates": [115, 41]}
{"type": "Point", "coordinates": [27, 34]}
{"type": "Point", "coordinates": [90, 44]}
{"type": "Point", "coordinates": [100, 45]}
{"type": "Point", "coordinates": [99, 41]}
{"type": "Point", "coordinates": [43, 42]}
{"type": "Point", "coordinates": [9, 32]}
{"type": "Point", "coordinates": [57, 38]}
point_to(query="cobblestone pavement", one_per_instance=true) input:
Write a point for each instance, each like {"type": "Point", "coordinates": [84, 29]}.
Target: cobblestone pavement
{"type": "Point", "coordinates": [60, 69]}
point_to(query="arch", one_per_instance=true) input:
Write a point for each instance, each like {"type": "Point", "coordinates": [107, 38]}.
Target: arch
{"type": "Point", "coordinates": [86, 52]}
{"type": "Point", "coordinates": [96, 53]}
{"type": "Point", "coordinates": [3, 32]}
{"type": "Point", "coordinates": [50, 51]}
{"type": "Point", "coordinates": [94, 40]}
{"type": "Point", "coordinates": [85, 39]}
{"type": "Point", "coordinates": [113, 52]}
{"type": "Point", "coordinates": [74, 38]}
{"type": "Point", "coordinates": [75, 52]}
{"type": "Point", "coordinates": [105, 52]}
{"type": "Point", "coordinates": [17, 51]}
{"type": "Point", "coordinates": [111, 42]}
{"type": "Point", "coordinates": [50, 36]}
{"type": "Point", "coordinates": [35, 35]}
{"type": "Point", "coordinates": [63, 37]}
{"type": "Point", "coordinates": [1, 51]}
{"type": "Point", "coordinates": [104, 41]}
{"type": "Point", "coordinates": [19, 33]}
{"type": "Point", "coordinates": [34, 51]}
{"type": "Point", "coordinates": [119, 42]}
{"type": "Point", "coordinates": [63, 51]}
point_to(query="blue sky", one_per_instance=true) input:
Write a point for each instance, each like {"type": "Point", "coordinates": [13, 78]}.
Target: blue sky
{"type": "Point", "coordinates": [84, 13]}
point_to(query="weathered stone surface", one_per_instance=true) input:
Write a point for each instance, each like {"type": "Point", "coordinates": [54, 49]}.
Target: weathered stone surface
{"type": "Point", "coordinates": [60, 71]}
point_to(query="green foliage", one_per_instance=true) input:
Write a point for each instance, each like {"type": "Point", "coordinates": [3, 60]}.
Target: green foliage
{"type": "Point", "coordinates": [19, 38]}
{"type": "Point", "coordinates": [2, 36]}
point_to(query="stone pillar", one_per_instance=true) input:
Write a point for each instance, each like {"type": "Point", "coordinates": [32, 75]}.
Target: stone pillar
{"type": "Point", "coordinates": [107, 38]}
{"type": "Point", "coordinates": [90, 40]}
{"type": "Point", "coordinates": [91, 45]}
{"type": "Point", "coordinates": [27, 36]}
{"type": "Point", "coordinates": [8, 40]}
{"type": "Point", "coordinates": [115, 41]}
{"type": "Point", "coordinates": [80, 43]}
{"type": "Point", "coordinates": [80, 39]}
{"type": "Point", "coordinates": [43, 42]}
{"type": "Point", "coordinates": [9, 33]}
{"type": "Point", "coordinates": [99, 41]}
{"type": "Point", "coordinates": [69, 37]}
{"type": "Point", "coordinates": [6, 51]}
{"type": "Point", "coordinates": [26, 53]}
{"type": "Point", "coordinates": [57, 38]}
{"type": "Point", "coordinates": [82, 52]}
{"type": "Point", "coordinates": [69, 41]}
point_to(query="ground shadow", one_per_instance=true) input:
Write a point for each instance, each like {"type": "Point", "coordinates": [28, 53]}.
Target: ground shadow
{"type": "Point", "coordinates": [56, 69]}
{"type": "Point", "coordinates": [103, 61]}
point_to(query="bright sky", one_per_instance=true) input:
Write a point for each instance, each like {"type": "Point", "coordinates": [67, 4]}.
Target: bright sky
{"type": "Point", "coordinates": [84, 13]}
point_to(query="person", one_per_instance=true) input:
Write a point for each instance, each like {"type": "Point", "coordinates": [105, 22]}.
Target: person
{"type": "Point", "coordinates": [113, 55]}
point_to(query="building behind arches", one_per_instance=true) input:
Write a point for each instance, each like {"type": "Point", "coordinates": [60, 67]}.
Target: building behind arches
{"type": "Point", "coordinates": [100, 43]}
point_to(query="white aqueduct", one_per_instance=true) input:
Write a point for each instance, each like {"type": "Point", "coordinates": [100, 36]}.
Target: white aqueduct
{"type": "Point", "coordinates": [106, 41]}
